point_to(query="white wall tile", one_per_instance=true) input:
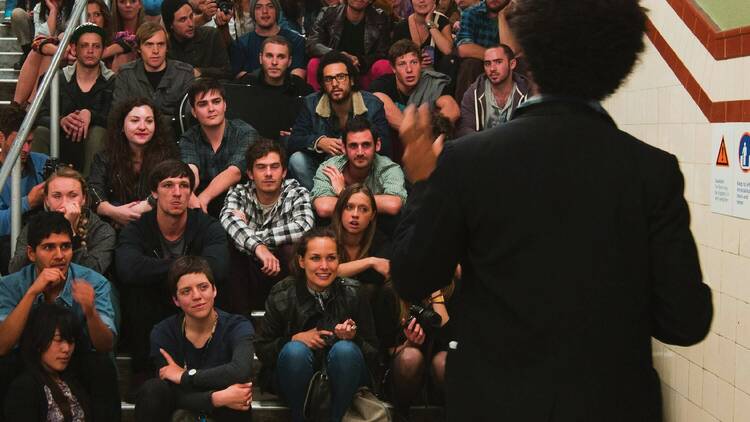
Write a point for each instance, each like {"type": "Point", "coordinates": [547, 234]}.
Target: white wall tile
{"type": "Point", "coordinates": [731, 235]}
{"type": "Point", "coordinates": [725, 322]}
{"type": "Point", "coordinates": [745, 238]}
{"type": "Point", "coordinates": [680, 375]}
{"type": "Point", "coordinates": [742, 376]}
{"type": "Point", "coordinates": [741, 406]}
{"type": "Point", "coordinates": [695, 384]}
{"type": "Point", "coordinates": [711, 354]}
{"type": "Point", "coordinates": [710, 393]}
{"type": "Point", "coordinates": [727, 359]}
{"type": "Point", "coordinates": [725, 401]}
{"type": "Point", "coordinates": [743, 323]}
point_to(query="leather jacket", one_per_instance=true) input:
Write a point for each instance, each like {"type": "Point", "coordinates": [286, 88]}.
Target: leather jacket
{"type": "Point", "coordinates": [326, 34]}
{"type": "Point", "coordinates": [291, 309]}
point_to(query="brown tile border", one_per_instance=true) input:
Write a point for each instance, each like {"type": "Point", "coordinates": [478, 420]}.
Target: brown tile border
{"type": "Point", "coordinates": [722, 45]}
{"type": "Point", "coordinates": [715, 112]}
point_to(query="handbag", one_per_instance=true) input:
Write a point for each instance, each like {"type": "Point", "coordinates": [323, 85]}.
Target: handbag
{"type": "Point", "coordinates": [366, 407]}
{"type": "Point", "coordinates": [318, 398]}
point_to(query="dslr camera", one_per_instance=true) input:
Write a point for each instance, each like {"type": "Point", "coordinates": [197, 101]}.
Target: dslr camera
{"type": "Point", "coordinates": [225, 6]}
{"type": "Point", "coordinates": [427, 318]}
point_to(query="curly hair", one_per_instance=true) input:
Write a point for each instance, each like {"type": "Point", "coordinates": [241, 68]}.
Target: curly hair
{"type": "Point", "coordinates": [338, 57]}
{"type": "Point", "coordinates": [582, 49]}
{"type": "Point", "coordinates": [120, 157]}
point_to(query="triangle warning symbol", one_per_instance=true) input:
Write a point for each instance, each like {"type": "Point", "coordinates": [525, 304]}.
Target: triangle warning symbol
{"type": "Point", "coordinates": [722, 159]}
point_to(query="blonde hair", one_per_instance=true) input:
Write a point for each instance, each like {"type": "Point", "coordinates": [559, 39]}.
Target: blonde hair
{"type": "Point", "coordinates": [81, 229]}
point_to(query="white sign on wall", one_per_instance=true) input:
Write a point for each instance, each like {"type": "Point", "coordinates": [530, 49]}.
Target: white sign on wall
{"type": "Point", "coordinates": [730, 176]}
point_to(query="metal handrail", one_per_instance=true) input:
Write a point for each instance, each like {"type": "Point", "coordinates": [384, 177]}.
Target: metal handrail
{"type": "Point", "coordinates": [11, 160]}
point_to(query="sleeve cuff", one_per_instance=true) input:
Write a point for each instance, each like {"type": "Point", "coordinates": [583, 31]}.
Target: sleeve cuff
{"type": "Point", "coordinates": [315, 145]}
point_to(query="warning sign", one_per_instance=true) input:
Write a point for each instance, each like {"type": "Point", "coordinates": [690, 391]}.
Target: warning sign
{"type": "Point", "coordinates": [730, 184]}
{"type": "Point", "coordinates": [722, 159]}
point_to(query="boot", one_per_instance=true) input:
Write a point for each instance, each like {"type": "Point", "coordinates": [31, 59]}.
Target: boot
{"type": "Point", "coordinates": [26, 49]}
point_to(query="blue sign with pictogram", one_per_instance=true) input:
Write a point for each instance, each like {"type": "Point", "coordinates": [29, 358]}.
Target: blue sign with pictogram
{"type": "Point", "coordinates": [744, 150]}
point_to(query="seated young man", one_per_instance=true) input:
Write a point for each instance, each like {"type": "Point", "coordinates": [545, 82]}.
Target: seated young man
{"type": "Point", "coordinates": [245, 50]}
{"type": "Point", "coordinates": [411, 84]}
{"type": "Point", "coordinates": [496, 94]}
{"type": "Point", "coordinates": [278, 89]}
{"type": "Point", "coordinates": [53, 278]}
{"type": "Point", "coordinates": [263, 217]}
{"type": "Point", "coordinates": [32, 176]}
{"type": "Point", "coordinates": [199, 46]}
{"type": "Point", "coordinates": [360, 164]}
{"type": "Point", "coordinates": [152, 75]}
{"type": "Point", "coordinates": [215, 147]}
{"type": "Point", "coordinates": [148, 246]}
{"type": "Point", "coordinates": [84, 102]}
{"type": "Point", "coordinates": [316, 135]}
{"type": "Point", "coordinates": [204, 354]}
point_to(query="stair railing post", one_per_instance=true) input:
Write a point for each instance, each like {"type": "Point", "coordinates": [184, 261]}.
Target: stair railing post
{"type": "Point", "coordinates": [54, 117]}
{"type": "Point", "coordinates": [15, 205]}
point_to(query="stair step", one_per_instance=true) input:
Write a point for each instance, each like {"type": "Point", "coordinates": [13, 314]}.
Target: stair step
{"type": "Point", "coordinates": [5, 30]}
{"type": "Point", "coordinates": [7, 89]}
{"type": "Point", "coordinates": [9, 58]}
{"type": "Point", "coordinates": [9, 44]}
{"type": "Point", "coordinates": [9, 73]}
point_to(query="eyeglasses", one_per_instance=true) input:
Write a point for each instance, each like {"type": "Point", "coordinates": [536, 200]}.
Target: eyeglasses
{"type": "Point", "coordinates": [341, 77]}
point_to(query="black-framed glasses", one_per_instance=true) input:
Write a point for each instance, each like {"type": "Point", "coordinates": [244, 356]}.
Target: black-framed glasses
{"type": "Point", "coordinates": [341, 77]}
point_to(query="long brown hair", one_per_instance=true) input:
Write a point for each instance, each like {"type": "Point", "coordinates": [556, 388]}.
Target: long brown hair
{"type": "Point", "coordinates": [125, 181]}
{"type": "Point", "coordinates": [107, 16]}
{"type": "Point", "coordinates": [338, 227]}
{"type": "Point", "coordinates": [117, 23]}
{"type": "Point", "coordinates": [81, 229]}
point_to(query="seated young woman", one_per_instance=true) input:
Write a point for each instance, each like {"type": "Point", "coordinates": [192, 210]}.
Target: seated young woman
{"type": "Point", "coordinates": [46, 391]}
{"type": "Point", "coordinates": [419, 350]}
{"type": "Point", "coordinates": [364, 256]}
{"type": "Point", "coordinates": [94, 240]}
{"type": "Point", "coordinates": [127, 16]}
{"type": "Point", "coordinates": [314, 317]}
{"type": "Point", "coordinates": [50, 19]}
{"type": "Point", "coordinates": [137, 140]}
{"type": "Point", "coordinates": [204, 353]}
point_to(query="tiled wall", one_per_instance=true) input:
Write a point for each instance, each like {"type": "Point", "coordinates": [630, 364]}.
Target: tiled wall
{"type": "Point", "coordinates": [709, 381]}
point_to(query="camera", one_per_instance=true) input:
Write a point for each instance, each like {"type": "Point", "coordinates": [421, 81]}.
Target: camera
{"type": "Point", "coordinates": [427, 318]}
{"type": "Point", "coordinates": [50, 167]}
{"type": "Point", "coordinates": [225, 6]}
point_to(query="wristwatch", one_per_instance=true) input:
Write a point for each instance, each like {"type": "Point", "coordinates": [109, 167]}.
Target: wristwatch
{"type": "Point", "coordinates": [429, 25]}
{"type": "Point", "coordinates": [190, 374]}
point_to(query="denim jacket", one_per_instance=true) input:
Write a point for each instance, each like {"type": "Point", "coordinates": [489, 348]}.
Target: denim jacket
{"type": "Point", "coordinates": [316, 119]}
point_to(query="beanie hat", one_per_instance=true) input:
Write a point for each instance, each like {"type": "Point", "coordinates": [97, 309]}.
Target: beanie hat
{"type": "Point", "coordinates": [168, 9]}
{"type": "Point", "coordinates": [86, 28]}
{"type": "Point", "coordinates": [276, 5]}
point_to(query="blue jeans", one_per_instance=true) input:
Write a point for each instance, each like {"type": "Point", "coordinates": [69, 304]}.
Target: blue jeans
{"type": "Point", "coordinates": [347, 372]}
{"type": "Point", "coordinates": [303, 165]}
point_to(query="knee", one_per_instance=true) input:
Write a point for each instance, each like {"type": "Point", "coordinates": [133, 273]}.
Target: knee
{"type": "Point", "coordinates": [295, 353]}
{"type": "Point", "coordinates": [17, 16]}
{"type": "Point", "coordinates": [409, 361]}
{"type": "Point", "coordinates": [345, 352]}
{"type": "Point", "coordinates": [153, 400]}
{"type": "Point", "coordinates": [438, 367]}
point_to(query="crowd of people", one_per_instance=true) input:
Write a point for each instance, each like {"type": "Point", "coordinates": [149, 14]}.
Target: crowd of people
{"type": "Point", "coordinates": [218, 159]}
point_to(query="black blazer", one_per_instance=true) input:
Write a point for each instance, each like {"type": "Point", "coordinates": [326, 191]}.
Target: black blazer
{"type": "Point", "coordinates": [575, 245]}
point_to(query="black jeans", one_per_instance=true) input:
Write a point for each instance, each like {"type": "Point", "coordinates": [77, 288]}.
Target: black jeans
{"type": "Point", "coordinates": [158, 399]}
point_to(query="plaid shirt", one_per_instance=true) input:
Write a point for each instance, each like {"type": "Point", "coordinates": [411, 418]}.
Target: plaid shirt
{"type": "Point", "coordinates": [385, 178]}
{"type": "Point", "coordinates": [195, 149]}
{"type": "Point", "coordinates": [288, 220]}
{"type": "Point", "coordinates": [477, 27]}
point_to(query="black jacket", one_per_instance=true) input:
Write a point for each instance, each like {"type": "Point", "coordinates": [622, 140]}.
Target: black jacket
{"type": "Point", "coordinates": [101, 94]}
{"type": "Point", "coordinates": [139, 258]}
{"type": "Point", "coordinates": [291, 309]}
{"type": "Point", "coordinates": [326, 34]}
{"type": "Point", "coordinates": [575, 246]}
{"type": "Point", "coordinates": [205, 51]}
{"type": "Point", "coordinates": [27, 402]}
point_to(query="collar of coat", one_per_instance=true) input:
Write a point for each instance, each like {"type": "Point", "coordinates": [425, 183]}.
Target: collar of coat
{"type": "Point", "coordinates": [323, 109]}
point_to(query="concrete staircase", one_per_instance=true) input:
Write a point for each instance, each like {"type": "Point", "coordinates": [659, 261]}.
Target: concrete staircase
{"type": "Point", "coordinates": [266, 407]}
{"type": "Point", "coordinates": [10, 52]}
